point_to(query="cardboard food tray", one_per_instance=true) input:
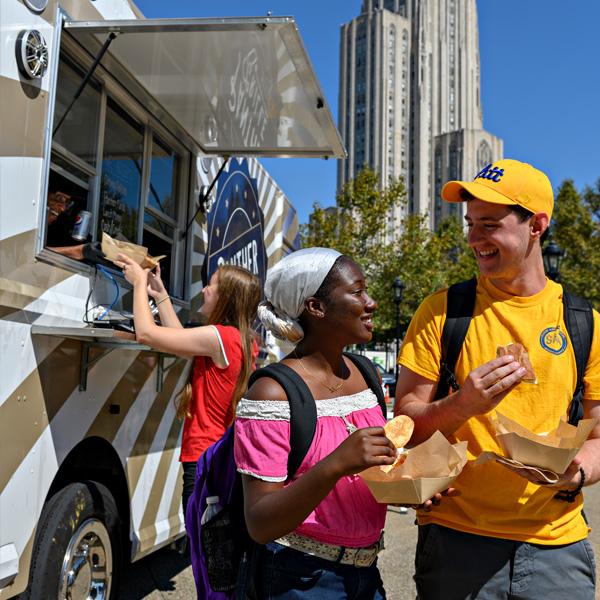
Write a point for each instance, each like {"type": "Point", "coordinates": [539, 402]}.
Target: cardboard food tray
{"type": "Point", "coordinates": [429, 468]}
{"type": "Point", "coordinates": [554, 450]}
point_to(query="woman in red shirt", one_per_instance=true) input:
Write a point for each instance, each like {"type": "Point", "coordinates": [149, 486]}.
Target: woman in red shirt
{"type": "Point", "coordinates": [224, 351]}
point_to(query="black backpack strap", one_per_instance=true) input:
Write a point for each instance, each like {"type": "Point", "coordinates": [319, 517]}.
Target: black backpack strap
{"type": "Point", "coordinates": [368, 371]}
{"type": "Point", "coordinates": [303, 411]}
{"type": "Point", "coordinates": [579, 321]}
{"type": "Point", "coordinates": [460, 306]}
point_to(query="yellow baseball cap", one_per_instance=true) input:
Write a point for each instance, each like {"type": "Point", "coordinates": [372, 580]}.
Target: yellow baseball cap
{"type": "Point", "coordinates": [506, 182]}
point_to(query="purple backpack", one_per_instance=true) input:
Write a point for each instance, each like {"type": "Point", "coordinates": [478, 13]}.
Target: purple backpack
{"type": "Point", "coordinates": [218, 546]}
{"type": "Point", "coordinates": [223, 554]}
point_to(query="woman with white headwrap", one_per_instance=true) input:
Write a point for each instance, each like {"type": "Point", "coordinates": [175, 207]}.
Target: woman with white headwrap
{"type": "Point", "coordinates": [313, 523]}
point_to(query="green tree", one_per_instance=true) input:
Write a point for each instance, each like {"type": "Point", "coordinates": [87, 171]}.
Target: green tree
{"type": "Point", "coordinates": [425, 260]}
{"type": "Point", "coordinates": [576, 228]}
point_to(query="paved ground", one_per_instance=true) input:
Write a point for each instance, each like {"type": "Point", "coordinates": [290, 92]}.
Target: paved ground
{"type": "Point", "coordinates": [165, 575]}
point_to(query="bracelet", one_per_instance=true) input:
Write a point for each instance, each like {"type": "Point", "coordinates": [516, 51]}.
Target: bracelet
{"type": "Point", "coordinates": [165, 298]}
{"type": "Point", "coordinates": [569, 495]}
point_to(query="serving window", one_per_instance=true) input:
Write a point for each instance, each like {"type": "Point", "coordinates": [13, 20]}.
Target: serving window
{"type": "Point", "coordinates": [118, 169]}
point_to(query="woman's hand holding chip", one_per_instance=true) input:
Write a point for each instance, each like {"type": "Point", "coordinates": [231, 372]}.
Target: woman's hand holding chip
{"type": "Point", "coordinates": [364, 448]}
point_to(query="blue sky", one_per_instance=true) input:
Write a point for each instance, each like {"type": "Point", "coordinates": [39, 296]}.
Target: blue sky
{"type": "Point", "coordinates": [540, 82]}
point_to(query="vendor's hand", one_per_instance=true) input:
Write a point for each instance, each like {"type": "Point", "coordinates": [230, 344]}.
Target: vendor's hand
{"type": "Point", "coordinates": [569, 480]}
{"type": "Point", "coordinates": [365, 448]}
{"type": "Point", "coordinates": [487, 385]}
{"type": "Point", "coordinates": [132, 271]}
{"type": "Point", "coordinates": [156, 287]}
{"type": "Point", "coordinates": [435, 500]}
{"type": "Point", "coordinates": [92, 252]}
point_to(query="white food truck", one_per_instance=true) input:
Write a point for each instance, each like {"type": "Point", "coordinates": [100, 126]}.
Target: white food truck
{"type": "Point", "coordinates": [147, 130]}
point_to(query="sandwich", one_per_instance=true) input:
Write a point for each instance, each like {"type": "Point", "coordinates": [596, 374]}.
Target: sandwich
{"type": "Point", "coordinates": [520, 354]}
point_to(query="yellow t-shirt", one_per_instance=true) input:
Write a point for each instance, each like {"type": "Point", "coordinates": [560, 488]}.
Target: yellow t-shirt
{"type": "Point", "coordinates": [494, 501]}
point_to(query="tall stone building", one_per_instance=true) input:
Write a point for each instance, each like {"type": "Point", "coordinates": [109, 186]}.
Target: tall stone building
{"type": "Point", "coordinates": [409, 101]}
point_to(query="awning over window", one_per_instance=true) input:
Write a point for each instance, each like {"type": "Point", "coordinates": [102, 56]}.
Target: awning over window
{"type": "Point", "coordinates": [239, 86]}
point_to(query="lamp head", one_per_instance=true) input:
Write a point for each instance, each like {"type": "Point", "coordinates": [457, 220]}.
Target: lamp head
{"type": "Point", "coordinates": [552, 255]}
{"type": "Point", "coordinates": [398, 286]}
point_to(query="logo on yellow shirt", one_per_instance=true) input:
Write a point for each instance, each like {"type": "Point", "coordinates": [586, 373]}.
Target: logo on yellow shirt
{"type": "Point", "coordinates": [553, 340]}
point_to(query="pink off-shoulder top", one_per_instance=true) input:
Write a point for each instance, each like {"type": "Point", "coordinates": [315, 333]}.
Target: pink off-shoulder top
{"type": "Point", "coordinates": [349, 515]}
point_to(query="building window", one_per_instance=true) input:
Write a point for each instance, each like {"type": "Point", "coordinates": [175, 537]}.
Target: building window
{"type": "Point", "coordinates": [484, 155]}
{"type": "Point", "coordinates": [453, 161]}
{"type": "Point", "coordinates": [391, 133]}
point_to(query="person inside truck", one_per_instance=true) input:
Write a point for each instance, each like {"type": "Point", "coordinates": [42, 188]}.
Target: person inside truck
{"type": "Point", "coordinates": [62, 210]}
{"type": "Point", "coordinates": [224, 351]}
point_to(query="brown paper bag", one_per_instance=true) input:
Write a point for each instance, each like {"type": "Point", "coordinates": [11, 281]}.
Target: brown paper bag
{"type": "Point", "coordinates": [112, 248]}
{"type": "Point", "coordinates": [429, 468]}
{"type": "Point", "coordinates": [553, 450]}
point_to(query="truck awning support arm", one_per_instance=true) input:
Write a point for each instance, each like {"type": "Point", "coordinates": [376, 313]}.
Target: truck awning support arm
{"type": "Point", "coordinates": [203, 196]}
{"type": "Point", "coordinates": [88, 76]}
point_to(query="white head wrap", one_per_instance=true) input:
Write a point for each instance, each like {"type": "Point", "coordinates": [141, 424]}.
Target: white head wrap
{"type": "Point", "coordinates": [290, 282]}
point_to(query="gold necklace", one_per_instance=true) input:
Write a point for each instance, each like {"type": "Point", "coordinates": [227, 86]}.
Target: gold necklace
{"type": "Point", "coordinates": [332, 389]}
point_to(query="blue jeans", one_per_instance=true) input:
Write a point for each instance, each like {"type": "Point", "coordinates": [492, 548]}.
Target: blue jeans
{"type": "Point", "coordinates": [284, 573]}
{"type": "Point", "coordinates": [453, 565]}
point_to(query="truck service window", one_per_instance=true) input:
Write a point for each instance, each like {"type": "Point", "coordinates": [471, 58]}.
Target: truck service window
{"type": "Point", "coordinates": [114, 170]}
{"type": "Point", "coordinates": [72, 167]}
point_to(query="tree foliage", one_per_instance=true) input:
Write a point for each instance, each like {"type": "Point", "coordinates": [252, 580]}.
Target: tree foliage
{"type": "Point", "coordinates": [425, 260]}
{"type": "Point", "coordinates": [576, 228]}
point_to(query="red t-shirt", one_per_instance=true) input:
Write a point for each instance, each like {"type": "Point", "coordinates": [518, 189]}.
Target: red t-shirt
{"type": "Point", "coordinates": [212, 394]}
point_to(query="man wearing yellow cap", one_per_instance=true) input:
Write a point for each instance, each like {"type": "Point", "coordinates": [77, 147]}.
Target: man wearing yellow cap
{"type": "Point", "coordinates": [505, 536]}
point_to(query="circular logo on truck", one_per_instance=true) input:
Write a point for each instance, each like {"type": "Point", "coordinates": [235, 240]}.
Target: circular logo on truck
{"type": "Point", "coordinates": [236, 224]}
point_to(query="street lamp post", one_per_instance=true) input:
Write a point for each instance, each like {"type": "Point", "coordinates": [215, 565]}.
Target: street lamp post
{"type": "Point", "coordinates": [398, 286]}
{"type": "Point", "coordinates": [552, 255]}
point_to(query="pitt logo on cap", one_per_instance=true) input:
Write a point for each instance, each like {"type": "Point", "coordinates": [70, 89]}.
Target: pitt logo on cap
{"type": "Point", "coordinates": [490, 172]}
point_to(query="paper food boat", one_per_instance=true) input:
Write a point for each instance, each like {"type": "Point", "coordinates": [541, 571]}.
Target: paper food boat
{"type": "Point", "coordinates": [554, 450]}
{"type": "Point", "coordinates": [112, 248]}
{"type": "Point", "coordinates": [429, 468]}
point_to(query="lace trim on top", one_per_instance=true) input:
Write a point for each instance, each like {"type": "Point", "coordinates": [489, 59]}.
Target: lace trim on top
{"type": "Point", "coordinates": [279, 410]}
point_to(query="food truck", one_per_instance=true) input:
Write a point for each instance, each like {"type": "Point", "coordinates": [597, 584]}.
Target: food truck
{"type": "Point", "coordinates": [148, 131]}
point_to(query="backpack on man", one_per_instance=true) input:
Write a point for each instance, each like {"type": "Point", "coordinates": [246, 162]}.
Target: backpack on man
{"type": "Point", "coordinates": [579, 321]}
{"type": "Point", "coordinates": [223, 554]}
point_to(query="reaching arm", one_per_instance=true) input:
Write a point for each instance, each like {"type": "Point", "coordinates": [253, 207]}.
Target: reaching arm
{"type": "Point", "coordinates": [482, 391]}
{"type": "Point", "coordinates": [414, 397]}
{"type": "Point", "coordinates": [199, 341]}
{"type": "Point", "coordinates": [75, 252]}
{"type": "Point", "coordinates": [167, 314]}
{"type": "Point", "coordinates": [157, 290]}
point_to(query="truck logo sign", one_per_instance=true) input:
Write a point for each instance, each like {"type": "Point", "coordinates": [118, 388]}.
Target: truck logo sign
{"type": "Point", "coordinates": [236, 224]}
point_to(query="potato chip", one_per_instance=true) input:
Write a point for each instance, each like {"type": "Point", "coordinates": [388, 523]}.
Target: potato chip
{"type": "Point", "coordinates": [398, 431]}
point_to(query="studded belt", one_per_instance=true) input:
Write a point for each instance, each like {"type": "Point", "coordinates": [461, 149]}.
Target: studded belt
{"type": "Point", "coordinates": [359, 557]}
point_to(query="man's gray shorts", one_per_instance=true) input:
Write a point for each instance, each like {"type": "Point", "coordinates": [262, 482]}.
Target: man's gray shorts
{"type": "Point", "coordinates": [452, 565]}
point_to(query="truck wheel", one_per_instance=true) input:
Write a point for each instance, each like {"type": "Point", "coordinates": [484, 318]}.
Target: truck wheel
{"type": "Point", "coordinates": [77, 550]}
